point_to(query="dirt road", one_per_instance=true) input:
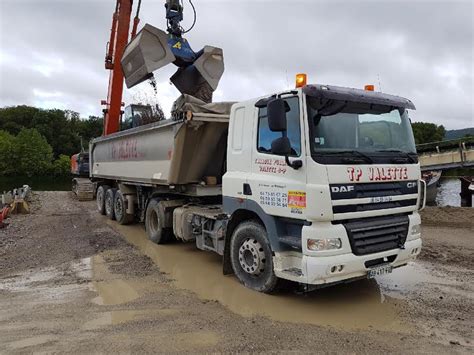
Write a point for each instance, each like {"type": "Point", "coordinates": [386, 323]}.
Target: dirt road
{"type": "Point", "coordinates": [72, 281]}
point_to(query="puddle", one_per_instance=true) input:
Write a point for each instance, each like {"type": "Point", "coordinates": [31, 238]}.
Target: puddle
{"type": "Point", "coordinates": [410, 277]}
{"type": "Point", "coordinates": [357, 305]}
{"type": "Point", "coordinates": [114, 292]}
{"type": "Point", "coordinates": [111, 291]}
{"type": "Point", "coordinates": [416, 276]}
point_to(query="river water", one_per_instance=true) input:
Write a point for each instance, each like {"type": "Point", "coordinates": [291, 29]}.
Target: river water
{"type": "Point", "coordinates": [448, 192]}
{"type": "Point", "coordinates": [38, 183]}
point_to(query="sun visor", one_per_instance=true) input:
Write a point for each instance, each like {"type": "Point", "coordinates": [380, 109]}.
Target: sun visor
{"type": "Point", "coordinates": [147, 52]}
{"type": "Point", "coordinates": [331, 92]}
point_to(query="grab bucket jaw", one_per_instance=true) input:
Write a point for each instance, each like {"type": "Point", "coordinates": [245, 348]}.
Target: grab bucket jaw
{"type": "Point", "coordinates": [147, 52]}
{"type": "Point", "coordinates": [201, 79]}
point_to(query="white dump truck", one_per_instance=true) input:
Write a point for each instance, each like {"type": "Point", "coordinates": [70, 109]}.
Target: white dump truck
{"type": "Point", "coordinates": [317, 185]}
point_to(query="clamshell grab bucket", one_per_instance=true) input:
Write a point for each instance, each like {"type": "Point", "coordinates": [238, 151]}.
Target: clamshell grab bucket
{"type": "Point", "coordinates": [149, 51]}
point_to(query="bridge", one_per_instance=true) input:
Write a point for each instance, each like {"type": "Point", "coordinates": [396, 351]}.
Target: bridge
{"type": "Point", "coordinates": [446, 155]}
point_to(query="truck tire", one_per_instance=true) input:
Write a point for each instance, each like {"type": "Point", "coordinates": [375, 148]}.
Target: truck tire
{"type": "Point", "coordinates": [109, 202]}
{"type": "Point", "coordinates": [251, 257]}
{"type": "Point", "coordinates": [120, 209]}
{"type": "Point", "coordinates": [100, 198]}
{"type": "Point", "coordinates": [154, 219]}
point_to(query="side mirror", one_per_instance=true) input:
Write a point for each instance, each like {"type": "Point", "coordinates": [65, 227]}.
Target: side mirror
{"type": "Point", "coordinates": [276, 112]}
{"type": "Point", "coordinates": [281, 146]}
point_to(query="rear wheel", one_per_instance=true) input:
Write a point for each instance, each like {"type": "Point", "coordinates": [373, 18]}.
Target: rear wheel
{"type": "Point", "coordinates": [109, 203]}
{"type": "Point", "coordinates": [251, 257]}
{"type": "Point", "coordinates": [100, 198]}
{"type": "Point", "coordinates": [120, 209]}
{"type": "Point", "coordinates": [154, 223]}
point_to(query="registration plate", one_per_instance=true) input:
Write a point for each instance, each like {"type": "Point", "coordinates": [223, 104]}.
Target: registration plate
{"type": "Point", "coordinates": [379, 271]}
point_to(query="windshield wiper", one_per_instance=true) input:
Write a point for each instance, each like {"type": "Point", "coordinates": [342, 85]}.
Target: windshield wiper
{"type": "Point", "coordinates": [354, 152]}
{"type": "Point", "coordinates": [405, 154]}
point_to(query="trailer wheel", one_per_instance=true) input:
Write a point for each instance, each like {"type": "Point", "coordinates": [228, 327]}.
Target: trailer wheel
{"type": "Point", "coordinates": [100, 198]}
{"type": "Point", "coordinates": [251, 257]}
{"type": "Point", "coordinates": [109, 202]}
{"type": "Point", "coordinates": [154, 219]}
{"type": "Point", "coordinates": [120, 209]}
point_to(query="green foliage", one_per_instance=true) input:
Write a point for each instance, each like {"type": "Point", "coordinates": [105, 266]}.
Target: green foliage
{"type": "Point", "coordinates": [63, 129]}
{"type": "Point", "coordinates": [61, 166]}
{"type": "Point", "coordinates": [7, 142]}
{"type": "Point", "coordinates": [31, 153]}
{"type": "Point", "coordinates": [30, 138]}
{"type": "Point", "coordinates": [89, 129]}
{"type": "Point", "coordinates": [427, 132]}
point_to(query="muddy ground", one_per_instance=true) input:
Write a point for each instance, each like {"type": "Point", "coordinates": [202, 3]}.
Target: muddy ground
{"type": "Point", "coordinates": [72, 281]}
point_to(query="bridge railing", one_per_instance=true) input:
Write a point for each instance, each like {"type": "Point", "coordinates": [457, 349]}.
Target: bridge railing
{"type": "Point", "coordinates": [447, 155]}
{"type": "Point", "coordinates": [466, 143]}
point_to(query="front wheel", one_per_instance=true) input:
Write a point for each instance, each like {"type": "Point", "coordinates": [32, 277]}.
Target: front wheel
{"type": "Point", "coordinates": [251, 257]}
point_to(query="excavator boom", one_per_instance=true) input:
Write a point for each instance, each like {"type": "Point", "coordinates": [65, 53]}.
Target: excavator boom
{"type": "Point", "coordinates": [117, 44]}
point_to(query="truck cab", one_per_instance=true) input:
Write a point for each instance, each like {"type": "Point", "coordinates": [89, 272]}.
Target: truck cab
{"type": "Point", "coordinates": [333, 177]}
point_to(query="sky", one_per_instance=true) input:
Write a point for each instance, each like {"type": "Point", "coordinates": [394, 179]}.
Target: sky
{"type": "Point", "coordinates": [52, 51]}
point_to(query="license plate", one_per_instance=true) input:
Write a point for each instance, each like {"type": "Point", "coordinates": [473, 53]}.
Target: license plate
{"type": "Point", "coordinates": [379, 271]}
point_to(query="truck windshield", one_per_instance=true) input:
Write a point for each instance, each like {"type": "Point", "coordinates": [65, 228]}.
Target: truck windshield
{"type": "Point", "coordinates": [364, 133]}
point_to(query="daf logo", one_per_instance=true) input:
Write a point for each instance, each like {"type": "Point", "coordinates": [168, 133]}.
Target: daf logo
{"type": "Point", "coordinates": [336, 189]}
{"type": "Point", "coordinates": [411, 185]}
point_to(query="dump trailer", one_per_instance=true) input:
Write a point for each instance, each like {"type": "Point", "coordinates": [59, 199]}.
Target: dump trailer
{"type": "Point", "coordinates": [317, 185]}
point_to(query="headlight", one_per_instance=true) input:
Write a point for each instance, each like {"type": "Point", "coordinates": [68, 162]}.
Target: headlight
{"type": "Point", "coordinates": [416, 229]}
{"type": "Point", "coordinates": [324, 244]}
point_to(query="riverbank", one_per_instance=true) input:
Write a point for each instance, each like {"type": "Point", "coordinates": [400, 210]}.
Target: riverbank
{"type": "Point", "coordinates": [37, 183]}
{"type": "Point", "coordinates": [72, 281]}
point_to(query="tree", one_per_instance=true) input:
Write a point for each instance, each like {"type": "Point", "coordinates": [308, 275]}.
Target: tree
{"type": "Point", "coordinates": [89, 129]}
{"type": "Point", "coordinates": [7, 142]}
{"type": "Point", "coordinates": [31, 153]}
{"type": "Point", "coordinates": [61, 166]}
{"type": "Point", "coordinates": [427, 132]}
{"type": "Point", "coordinates": [63, 129]}
{"type": "Point", "coordinates": [13, 119]}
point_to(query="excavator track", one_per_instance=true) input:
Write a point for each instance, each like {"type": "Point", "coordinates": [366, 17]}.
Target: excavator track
{"type": "Point", "coordinates": [83, 188]}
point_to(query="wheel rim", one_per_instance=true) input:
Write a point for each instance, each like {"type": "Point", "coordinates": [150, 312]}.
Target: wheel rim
{"type": "Point", "coordinates": [108, 205]}
{"type": "Point", "coordinates": [252, 257]}
{"type": "Point", "coordinates": [154, 221]}
{"type": "Point", "coordinates": [118, 207]}
{"type": "Point", "coordinates": [100, 199]}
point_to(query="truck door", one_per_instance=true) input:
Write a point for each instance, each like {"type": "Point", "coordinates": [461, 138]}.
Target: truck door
{"type": "Point", "coordinates": [279, 189]}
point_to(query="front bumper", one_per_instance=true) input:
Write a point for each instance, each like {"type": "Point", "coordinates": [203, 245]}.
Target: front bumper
{"type": "Point", "coordinates": [319, 270]}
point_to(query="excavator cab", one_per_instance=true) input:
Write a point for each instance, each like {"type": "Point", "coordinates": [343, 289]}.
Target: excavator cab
{"type": "Point", "coordinates": [136, 115]}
